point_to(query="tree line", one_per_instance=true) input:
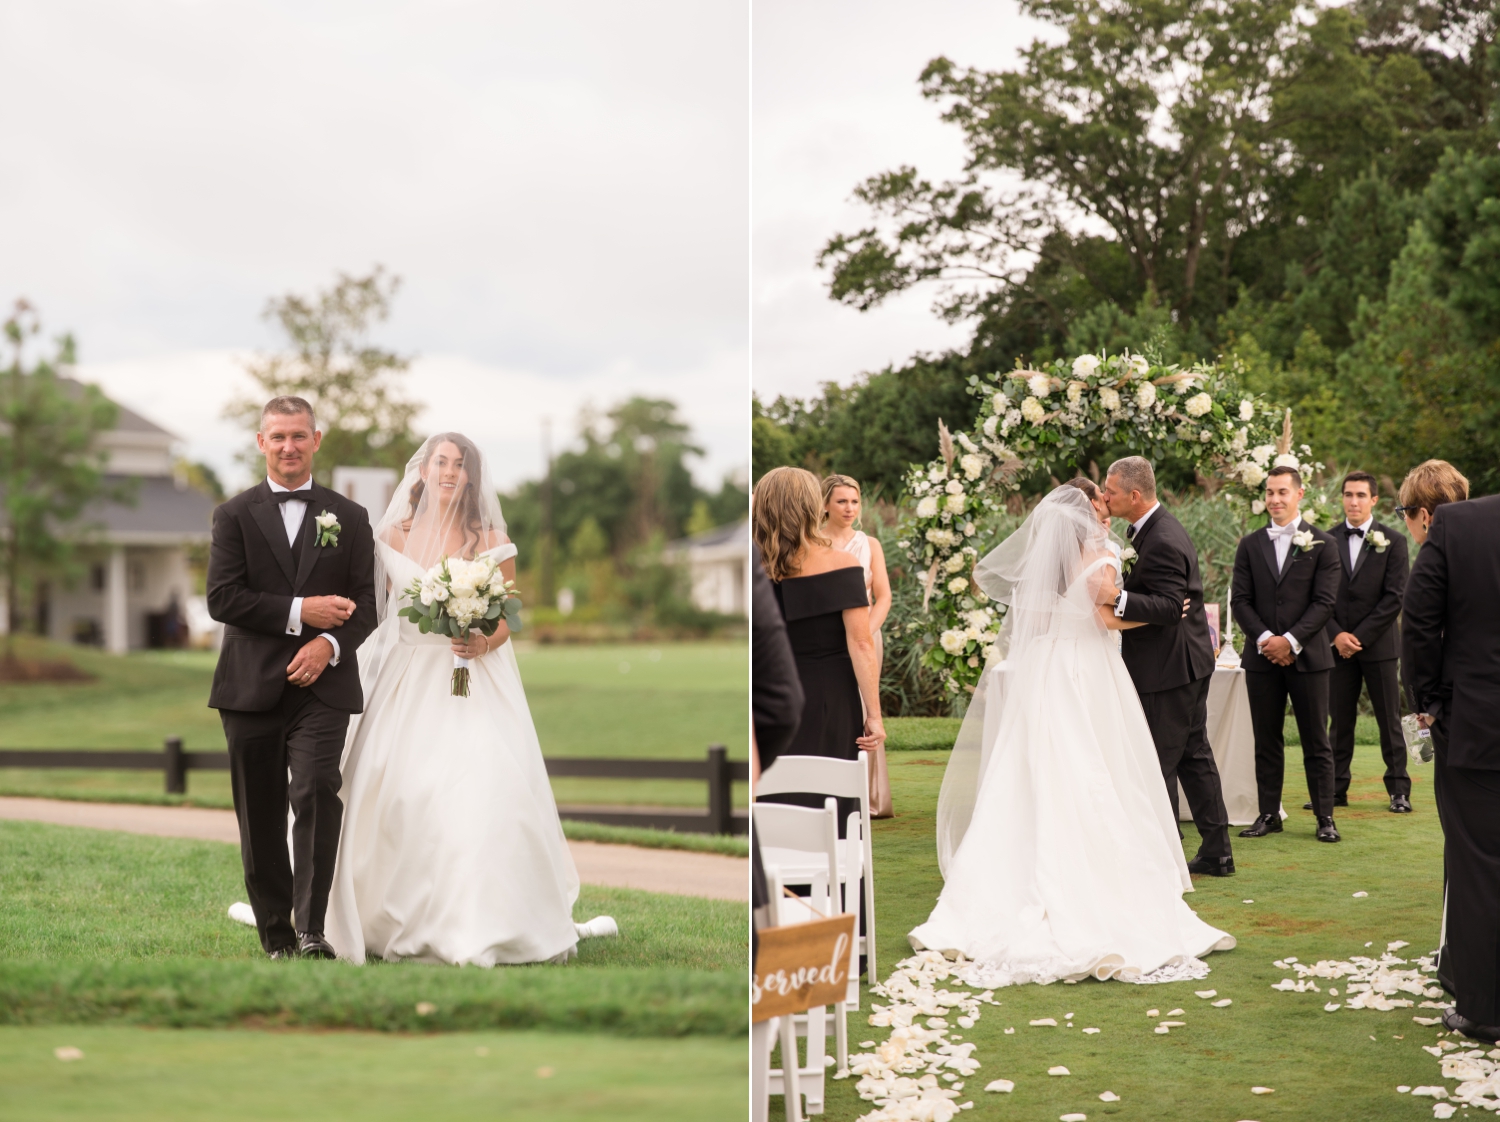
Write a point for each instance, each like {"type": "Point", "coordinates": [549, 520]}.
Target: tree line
{"type": "Point", "coordinates": [1310, 194]}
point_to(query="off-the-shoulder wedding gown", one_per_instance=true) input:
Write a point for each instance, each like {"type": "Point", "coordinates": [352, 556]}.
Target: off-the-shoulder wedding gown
{"type": "Point", "coordinates": [452, 850]}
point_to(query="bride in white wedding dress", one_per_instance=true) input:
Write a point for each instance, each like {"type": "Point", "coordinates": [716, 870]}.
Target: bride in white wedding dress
{"type": "Point", "coordinates": [452, 850]}
{"type": "Point", "coordinates": [1056, 838]}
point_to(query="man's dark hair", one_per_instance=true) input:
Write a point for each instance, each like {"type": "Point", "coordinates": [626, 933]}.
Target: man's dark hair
{"type": "Point", "coordinates": [1361, 477]}
{"type": "Point", "coordinates": [1283, 469]}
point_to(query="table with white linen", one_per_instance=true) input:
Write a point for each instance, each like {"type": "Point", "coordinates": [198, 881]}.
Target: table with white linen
{"type": "Point", "coordinates": [1233, 742]}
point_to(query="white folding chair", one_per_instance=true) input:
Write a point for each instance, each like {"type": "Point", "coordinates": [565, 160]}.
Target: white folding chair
{"type": "Point", "coordinates": [845, 779]}
{"type": "Point", "coordinates": [804, 837]}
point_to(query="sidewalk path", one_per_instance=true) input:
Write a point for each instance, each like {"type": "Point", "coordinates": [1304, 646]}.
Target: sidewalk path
{"type": "Point", "coordinates": [614, 866]}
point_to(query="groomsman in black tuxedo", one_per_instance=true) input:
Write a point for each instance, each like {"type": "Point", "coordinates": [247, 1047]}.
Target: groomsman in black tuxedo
{"type": "Point", "coordinates": [1286, 580]}
{"type": "Point", "coordinates": [1171, 661]}
{"type": "Point", "coordinates": [1366, 640]}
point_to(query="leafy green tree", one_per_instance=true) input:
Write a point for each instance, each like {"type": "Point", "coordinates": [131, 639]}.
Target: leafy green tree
{"type": "Point", "coordinates": [51, 464]}
{"type": "Point", "coordinates": [352, 383]}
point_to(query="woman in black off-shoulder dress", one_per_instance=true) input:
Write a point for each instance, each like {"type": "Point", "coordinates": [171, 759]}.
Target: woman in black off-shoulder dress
{"type": "Point", "coordinates": [822, 597]}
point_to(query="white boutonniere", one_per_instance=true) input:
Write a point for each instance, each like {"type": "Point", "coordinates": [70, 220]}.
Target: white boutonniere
{"type": "Point", "coordinates": [1303, 540]}
{"type": "Point", "coordinates": [1378, 541]}
{"type": "Point", "coordinates": [328, 528]}
{"type": "Point", "coordinates": [1127, 558]}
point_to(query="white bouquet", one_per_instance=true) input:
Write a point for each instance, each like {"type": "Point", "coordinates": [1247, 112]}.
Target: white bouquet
{"type": "Point", "coordinates": [455, 597]}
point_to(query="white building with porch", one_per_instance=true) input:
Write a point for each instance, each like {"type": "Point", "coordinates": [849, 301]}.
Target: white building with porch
{"type": "Point", "coordinates": [136, 584]}
{"type": "Point", "coordinates": [718, 566]}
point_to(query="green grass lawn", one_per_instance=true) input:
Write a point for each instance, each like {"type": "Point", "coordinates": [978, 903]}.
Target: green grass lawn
{"type": "Point", "coordinates": [145, 1075]}
{"type": "Point", "coordinates": [667, 700]}
{"type": "Point", "coordinates": [101, 926]}
{"type": "Point", "coordinates": [937, 734]}
{"type": "Point", "coordinates": [1337, 1066]}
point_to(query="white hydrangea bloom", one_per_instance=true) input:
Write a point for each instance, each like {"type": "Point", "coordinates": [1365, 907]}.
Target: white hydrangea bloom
{"type": "Point", "coordinates": [956, 503]}
{"type": "Point", "coordinates": [1287, 459]}
{"type": "Point", "coordinates": [953, 641]}
{"type": "Point", "coordinates": [1109, 397]}
{"type": "Point", "coordinates": [1198, 405]}
{"type": "Point", "coordinates": [972, 465]}
{"type": "Point", "coordinates": [991, 653]}
{"type": "Point", "coordinates": [1085, 366]}
{"type": "Point", "coordinates": [990, 424]}
{"type": "Point", "coordinates": [1145, 396]}
{"type": "Point", "coordinates": [1247, 410]}
{"type": "Point", "coordinates": [1032, 410]}
{"type": "Point", "coordinates": [937, 473]}
{"type": "Point", "coordinates": [1012, 419]}
{"type": "Point", "coordinates": [1000, 403]}
{"type": "Point", "coordinates": [955, 563]}
{"type": "Point", "coordinates": [928, 507]}
{"type": "Point", "coordinates": [1262, 454]}
{"type": "Point", "coordinates": [958, 584]}
{"type": "Point", "coordinates": [1039, 384]}
{"type": "Point", "coordinates": [1251, 473]}
{"type": "Point", "coordinates": [1075, 391]}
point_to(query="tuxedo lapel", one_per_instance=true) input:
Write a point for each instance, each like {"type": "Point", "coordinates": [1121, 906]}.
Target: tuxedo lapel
{"type": "Point", "coordinates": [1364, 551]}
{"type": "Point", "coordinates": [1268, 550]}
{"type": "Point", "coordinates": [1340, 534]}
{"type": "Point", "coordinates": [267, 516]}
{"type": "Point", "coordinates": [310, 550]}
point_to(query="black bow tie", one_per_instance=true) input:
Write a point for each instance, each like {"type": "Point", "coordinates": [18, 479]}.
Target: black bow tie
{"type": "Point", "coordinates": [291, 496]}
{"type": "Point", "coordinates": [1356, 531]}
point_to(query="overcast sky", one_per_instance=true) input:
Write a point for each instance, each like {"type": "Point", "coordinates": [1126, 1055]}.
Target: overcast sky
{"type": "Point", "coordinates": [835, 100]}
{"type": "Point", "coordinates": [562, 187]}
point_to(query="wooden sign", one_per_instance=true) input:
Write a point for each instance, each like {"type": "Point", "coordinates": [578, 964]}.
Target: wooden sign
{"type": "Point", "coordinates": [801, 965]}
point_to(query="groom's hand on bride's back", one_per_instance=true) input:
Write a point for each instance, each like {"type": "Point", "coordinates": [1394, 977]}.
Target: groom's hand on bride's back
{"type": "Point", "coordinates": [326, 611]}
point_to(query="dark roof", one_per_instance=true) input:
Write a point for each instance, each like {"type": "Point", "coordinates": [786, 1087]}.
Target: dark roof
{"type": "Point", "coordinates": [160, 507]}
{"type": "Point", "coordinates": [719, 535]}
{"type": "Point", "coordinates": [127, 421]}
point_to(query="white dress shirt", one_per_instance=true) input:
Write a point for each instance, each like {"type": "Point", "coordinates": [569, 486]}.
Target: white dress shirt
{"type": "Point", "coordinates": [1358, 543]}
{"type": "Point", "coordinates": [1281, 540]}
{"type": "Point", "coordinates": [1135, 529]}
{"type": "Point", "coordinates": [292, 514]}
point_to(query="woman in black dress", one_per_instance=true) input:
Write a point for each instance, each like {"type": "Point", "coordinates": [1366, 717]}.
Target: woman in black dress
{"type": "Point", "coordinates": [821, 593]}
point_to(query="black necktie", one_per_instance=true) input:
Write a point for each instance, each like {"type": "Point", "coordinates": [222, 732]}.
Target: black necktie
{"type": "Point", "coordinates": [1356, 531]}
{"type": "Point", "coordinates": [1130, 532]}
{"type": "Point", "coordinates": [291, 496]}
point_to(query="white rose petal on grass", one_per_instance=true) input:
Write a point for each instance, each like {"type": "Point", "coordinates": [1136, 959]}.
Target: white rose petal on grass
{"type": "Point", "coordinates": [1049, 1021]}
{"type": "Point", "coordinates": [1161, 1030]}
{"type": "Point", "coordinates": [68, 1054]}
{"type": "Point", "coordinates": [1205, 994]}
{"type": "Point", "coordinates": [545, 1073]}
{"type": "Point", "coordinates": [1172, 1024]}
{"type": "Point", "coordinates": [1430, 1092]}
{"type": "Point", "coordinates": [1332, 1006]}
{"type": "Point", "coordinates": [1010, 1032]}
{"type": "Point", "coordinates": [1361, 896]}
{"type": "Point", "coordinates": [1090, 1031]}
{"type": "Point", "coordinates": [1109, 1097]}
{"type": "Point", "coordinates": [1247, 901]}
{"type": "Point", "coordinates": [1397, 945]}
{"type": "Point", "coordinates": [1428, 1021]}
{"type": "Point", "coordinates": [1443, 1110]}
{"type": "Point", "coordinates": [1403, 1089]}
{"type": "Point", "coordinates": [1223, 1003]}
{"type": "Point", "coordinates": [1176, 1012]}
{"type": "Point", "coordinates": [1262, 1090]}
{"type": "Point", "coordinates": [1058, 1070]}
{"type": "Point", "coordinates": [1001, 1086]}
{"type": "Point", "coordinates": [1072, 1118]}
{"type": "Point", "coordinates": [867, 1044]}
{"type": "Point", "coordinates": [1153, 1012]}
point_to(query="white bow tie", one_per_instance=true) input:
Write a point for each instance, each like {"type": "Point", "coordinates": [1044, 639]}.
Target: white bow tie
{"type": "Point", "coordinates": [1282, 531]}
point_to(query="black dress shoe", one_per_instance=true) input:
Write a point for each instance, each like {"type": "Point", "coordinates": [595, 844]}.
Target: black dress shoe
{"type": "Point", "coordinates": [1327, 831]}
{"type": "Point", "coordinates": [1400, 804]}
{"type": "Point", "coordinates": [282, 954]}
{"type": "Point", "coordinates": [311, 944]}
{"type": "Point", "coordinates": [1307, 806]}
{"type": "Point", "coordinates": [1453, 1022]}
{"type": "Point", "coordinates": [1265, 824]}
{"type": "Point", "coordinates": [1212, 866]}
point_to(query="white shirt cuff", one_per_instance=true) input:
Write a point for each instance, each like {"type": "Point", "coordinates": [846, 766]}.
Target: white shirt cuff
{"type": "Point", "coordinates": [1260, 641]}
{"type": "Point", "coordinates": [1296, 646]}
{"type": "Point", "coordinates": [1120, 605]}
{"type": "Point", "coordinates": [334, 643]}
{"type": "Point", "coordinates": [294, 620]}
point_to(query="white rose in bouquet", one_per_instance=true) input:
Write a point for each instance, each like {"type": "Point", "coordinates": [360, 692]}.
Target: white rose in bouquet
{"type": "Point", "coordinates": [1247, 410]}
{"type": "Point", "coordinates": [456, 596]}
{"type": "Point", "coordinates": [957, 585]}
{"type": "Point", "coordinates": [990, 424]}
{"type": "Point", "coordinates": [1251, 474]}
{"type": "Point", "coordinates": [1288, 459]}
{"type": "Point", "coordinates": [1198, 405]}
{"type": "Point", "coordinates": [1032, 410]}
{"type": "Point", "coordinates": [1085, 366]}
{"type": "Point", "coordinates": [953, 641]}
{"type": "Point", "coordinates": [1262, 453]}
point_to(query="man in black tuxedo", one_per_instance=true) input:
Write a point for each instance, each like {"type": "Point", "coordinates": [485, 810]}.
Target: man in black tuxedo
{"type": "Point", "coordinates": [1286, 580]}
{"type": "Point", "coordinates": [291, 576]}
{"type": "Point", "coordinates": [1171, 661]}
{"type": "Point", "coordinates": [1366, 640]}
{"type": "Point", "coordinates": [1451, 657]}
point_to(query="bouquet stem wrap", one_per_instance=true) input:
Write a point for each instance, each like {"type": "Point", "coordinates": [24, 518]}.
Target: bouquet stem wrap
{"type": "Point", "coordinates": [460, 676]}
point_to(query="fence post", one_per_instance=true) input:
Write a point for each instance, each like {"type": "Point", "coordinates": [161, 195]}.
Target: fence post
{"type": "Point", "coordinates": [720, 806]}
{"type": "Point", "coordinates": [175, 766]}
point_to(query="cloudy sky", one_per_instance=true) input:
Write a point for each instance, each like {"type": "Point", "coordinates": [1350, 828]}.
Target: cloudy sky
{"type": "Point", "coordinates": [835, 100]}
{"type": "Point", "coordinates": [563, 188]}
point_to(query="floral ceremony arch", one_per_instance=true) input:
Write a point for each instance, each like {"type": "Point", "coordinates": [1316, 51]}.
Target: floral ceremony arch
{"type": "Point", "coordinates": [1046, 420]}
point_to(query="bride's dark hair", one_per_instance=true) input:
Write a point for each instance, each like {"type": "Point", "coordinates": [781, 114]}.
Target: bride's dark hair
{"type": "Point", "coordinates": [466, 503]}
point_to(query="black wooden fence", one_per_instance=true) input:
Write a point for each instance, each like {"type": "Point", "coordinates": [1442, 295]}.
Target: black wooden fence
{"type": "Point", "coordinates": [717, 770]}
